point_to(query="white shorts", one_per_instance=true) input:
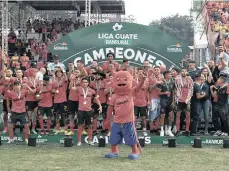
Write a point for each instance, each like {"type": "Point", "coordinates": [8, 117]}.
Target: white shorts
{"type": "Point", "coordinates": [154, 109]}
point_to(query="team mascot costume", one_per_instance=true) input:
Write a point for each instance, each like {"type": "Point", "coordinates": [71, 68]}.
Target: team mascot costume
{"type": "Point", "coordinates": [122, 107]}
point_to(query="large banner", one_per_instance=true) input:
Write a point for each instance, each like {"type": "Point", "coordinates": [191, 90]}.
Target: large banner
{"type": "Point", "coordinates": [102, 18]}
{"type": "Point", "coordinates": [130, 41]}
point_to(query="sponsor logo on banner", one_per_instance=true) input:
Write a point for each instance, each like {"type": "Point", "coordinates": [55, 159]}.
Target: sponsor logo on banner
{"type": "Point", "coordinates": [174, 48]}
{"type": "Point", "coordinates": [117, 38]}
{"type": "Point", "coordinates": [61, 46]}
{"type": "Point", "coordinates": [7, 138]}
{"type": "Point", "coordinates": [41, 140]}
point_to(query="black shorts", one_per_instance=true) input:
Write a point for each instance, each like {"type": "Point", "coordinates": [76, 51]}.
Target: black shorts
{"type": "Point", "coordinates": [31, 105]}
{"type": "Point", "coordinates": [85, 117]}
{"type": "Point", "coordinates": [140, 111]}
{"type": "Point", "coordinates": [59, 110]}
{"type": "Point", "coordinates": [166, 106]}
{"type": "Point", "coordinates": [45, 110]}
{"type": "Point", "coordinates": [73, 106]}
{"type": "Point", "coordinates": [183, 107]}
{"type": "Point", "coordinates": [5, 105]}
{"type": "Point", "coordinates": [15, 117]}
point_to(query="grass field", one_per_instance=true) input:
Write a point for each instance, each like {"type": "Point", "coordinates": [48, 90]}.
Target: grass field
{"type": "Point", "coordinates": [154, 158]}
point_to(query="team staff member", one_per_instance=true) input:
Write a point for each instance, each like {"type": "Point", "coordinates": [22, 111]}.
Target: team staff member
{"type": "Point", "coordinates": [166, 93]}
{"type": "Point", "coordinates": [85, 114]}
{"type": "Point", "coordinates": [45, 103]}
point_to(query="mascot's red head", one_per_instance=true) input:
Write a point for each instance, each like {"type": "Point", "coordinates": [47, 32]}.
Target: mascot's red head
{"type": "Point", "coordinates": [122, 82]}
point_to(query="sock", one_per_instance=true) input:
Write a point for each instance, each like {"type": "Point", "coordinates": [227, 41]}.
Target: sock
{"type": "Point", "coordinates": [57, 125]}
{"type": "Point", "coordinates": [71, 125]}
{"type": "Point", "coordinates": [11, 132]}
{"type": "Point", "coordinates": [26, 131]}
{"type": "Point", "coordinates": [89, 134]}
{"type": "Point", "coordinates": [162, 128]}
{"type": "Point", "coordinates": [79, 133]}
{"type": "Point", "coordinates": [48, 124]}
{"type": "Point", "coordinates": [41, 122]}
{"type": "Point", "coordinates": [95, 125]}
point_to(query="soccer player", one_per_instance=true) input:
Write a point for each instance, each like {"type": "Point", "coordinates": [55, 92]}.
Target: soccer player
{"type": "Point", "coordinates": [184, 92]}
{"type": "Point", "coordinates": [154, 80]}
{"type": "Point", "coordinates": [99, 85]}
{"type": "Point", "coordinates": [31, 101]}
{"type": "Point", "coordinates": [85, 114]}
{"type": "Point", "coordinates": [18, 110]}
{"type": "Point", "coordinates": [73, 99]}
{"type": "Point", "coordinates": [141, 101]}
{"type": "Point", "coordinates": [60, 98]}
{"type": "Point", "coordinates": [45, 103]}
{"type": "Point", "coordinates": [105, 65]}
{"type": "Point", "coordinates": [166, 94]}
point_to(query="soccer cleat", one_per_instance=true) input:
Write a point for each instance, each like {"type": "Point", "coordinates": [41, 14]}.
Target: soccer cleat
{"type": "Point", "coordinates": [145, 133]}
{"type": "Point", "coordinates": [57, 132]}
{"type": "Point", "coordinates": [70, 133]}
{"type": "Point", "coordinates": [218, 133]}
{"type": "Point", "coordinates": [5, 130]}
{"type": "Point", "coordinates": [224, 134]}
{"type": "Point", "coordinates": [111, 155]}
{"type": "Point", "coordinates": [10, 141]}
{"type": "Point", "coordinates": [62, 130]}
{"type": "Point", "coordinates": [169, 133]}
{"type": "Point", "coordinates": [84, 132]}
{"type": "Point", "coordinates": [79, 144]}
{"type": "Point", "coordinates": [91, 143]}
{"type": "Point", "coordinates": [162, 133]}
{"type": "Point", "coordinates": [26, 141]}
{"type": "Point", "coordinates": [33, 131]}
{"type": "Point", "coordinates": [133, 156]}
{"type": "Point", "coordinates": [65, 132]}
{"type": "Point", "coordinates": [42, 132]}
{"type": "Point", "coordinates": [47, 132]}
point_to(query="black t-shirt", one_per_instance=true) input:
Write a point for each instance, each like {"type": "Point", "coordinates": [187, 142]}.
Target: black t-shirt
{"type": "Point", "coordinates": [193, 73]}
{"type": "Point", "coordinates": [196, 89]}
{"type": "Point", "coordinates": [167, 86]}
{"type": "Point", "coordinates": [222, 96]}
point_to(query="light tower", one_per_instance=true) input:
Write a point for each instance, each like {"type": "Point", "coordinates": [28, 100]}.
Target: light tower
{"type": "Point", "coordinates": [5, 24]}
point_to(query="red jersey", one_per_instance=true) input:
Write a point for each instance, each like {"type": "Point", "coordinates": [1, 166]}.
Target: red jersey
{"type": "Point", "coordinates": [105, 66]}
{"type": "Point", "coordinates": [45, 93]}
{"type": "Point", "coordinates": [32, 83]}
{"type": "Point", "coordinates": [85, 103]}
{"type": "Point", "coordinates": [152, 81]}
{"type": "Point", "coordinates": [99, 87]}
{"type": "Point", "coordinates": [73, 94]}
{"type": "Point", "coordinates": [61, 86]}
{"type": "Point", "coordinates": [18, 101]}
{"type": "Point", "coordinates": [141, 98]}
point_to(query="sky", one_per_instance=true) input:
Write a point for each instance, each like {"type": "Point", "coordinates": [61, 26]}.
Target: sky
{"type": "Point", "coordinates": [147, 10]}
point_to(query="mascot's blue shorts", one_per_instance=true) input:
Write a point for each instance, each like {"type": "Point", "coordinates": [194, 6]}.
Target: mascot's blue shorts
{"type": "Point", "coordinates": [120, 131]}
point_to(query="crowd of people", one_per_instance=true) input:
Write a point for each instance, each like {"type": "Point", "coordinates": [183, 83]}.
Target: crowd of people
{"type": "Point", "coordinates": [46, 88]}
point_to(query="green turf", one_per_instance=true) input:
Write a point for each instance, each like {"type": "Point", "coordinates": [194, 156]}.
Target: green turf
{"type": "Point", "coordinates": [87, 158]}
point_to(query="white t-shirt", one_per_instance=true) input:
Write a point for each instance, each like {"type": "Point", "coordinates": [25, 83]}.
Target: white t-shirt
{"type": "Point", "coordinates": [39, 76]}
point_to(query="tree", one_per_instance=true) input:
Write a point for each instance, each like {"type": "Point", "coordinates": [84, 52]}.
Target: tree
{"type": "Point", "coordinates": [177, 26]}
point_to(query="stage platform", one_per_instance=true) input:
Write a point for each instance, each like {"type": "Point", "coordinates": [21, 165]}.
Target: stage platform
{"type": "Point", "coordinates": [150, 139]}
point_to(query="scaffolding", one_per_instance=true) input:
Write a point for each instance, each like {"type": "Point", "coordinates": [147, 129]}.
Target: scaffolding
{"type": "Point", "coordinates": [87, 13]}
{"type": "Point", "coordinates": [5, 24]}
